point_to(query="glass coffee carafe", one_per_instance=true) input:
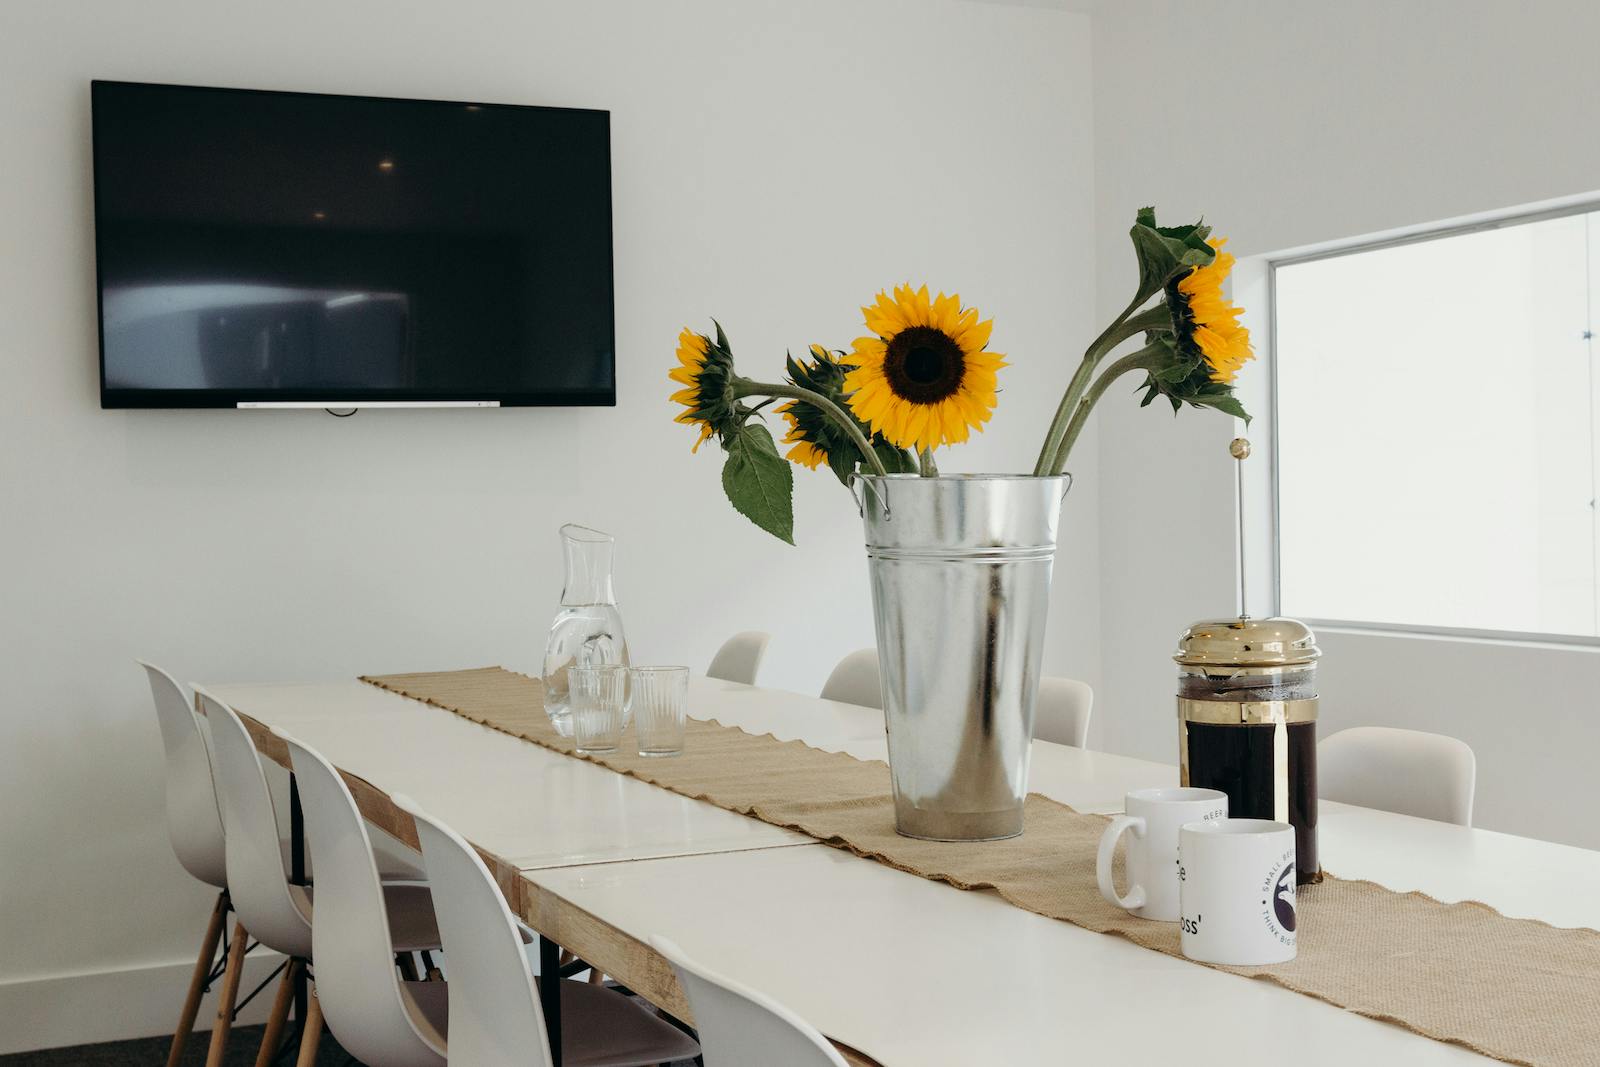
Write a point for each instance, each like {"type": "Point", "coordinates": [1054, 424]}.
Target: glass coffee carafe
{"type": "Point", "coordinates": [588, 629]}
{"type": "Point", "coordinates": [1247, 722]}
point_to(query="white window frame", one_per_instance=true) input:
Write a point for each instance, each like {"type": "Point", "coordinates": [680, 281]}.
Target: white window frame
{"type": "Point", "coordinates": [1255, 288]}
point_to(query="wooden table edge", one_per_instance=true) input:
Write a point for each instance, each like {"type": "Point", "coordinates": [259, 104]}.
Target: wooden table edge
{"type": "Point", "coordinates": [620, 955]}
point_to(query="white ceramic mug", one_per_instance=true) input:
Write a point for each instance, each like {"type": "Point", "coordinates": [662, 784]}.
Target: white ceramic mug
{"type": "Point", "coordinates": [1154, 816]}
{"type": "Point", "coordinates": [1238, 891]}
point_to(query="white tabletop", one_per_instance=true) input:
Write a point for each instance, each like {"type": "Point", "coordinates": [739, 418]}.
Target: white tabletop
{"type": "Point", "coordinates": [528, 805]}
{"type": "Point", "coordinates": [907, 970]}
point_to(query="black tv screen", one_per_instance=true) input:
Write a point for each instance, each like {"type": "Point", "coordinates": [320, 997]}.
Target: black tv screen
{"type": "Point", "coordinates": [259, 247]}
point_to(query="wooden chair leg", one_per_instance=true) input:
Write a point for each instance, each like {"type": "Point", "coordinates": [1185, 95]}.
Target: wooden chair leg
{"type": "Point", "coordinates": [311, 1035]}
{"type": "Point", "coordinates": [197, 983]}
{"type": "Point", "coordinates": [596, 976]}
{"type": "Point", "coordinates": [229, 994]}
{"type": "Point", "coordinates": [280, 1012]}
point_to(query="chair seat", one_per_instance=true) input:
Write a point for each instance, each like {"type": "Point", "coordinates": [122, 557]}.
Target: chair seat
{"type": "Point", "coordinates": [412, 926]}
{"type": "Point", "coordinates": [599, 1027]}
{"type": "Point", "coordinates": [391, 867]}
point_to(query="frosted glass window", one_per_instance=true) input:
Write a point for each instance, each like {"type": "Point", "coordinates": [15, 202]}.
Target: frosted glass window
{"type": "Point", "coordinates": [1436, 424]}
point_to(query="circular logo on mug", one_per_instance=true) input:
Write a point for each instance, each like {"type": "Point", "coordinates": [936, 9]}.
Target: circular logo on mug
{"type": "Point", "coordinates": [1278, 900]}
{"type": "Point", "coordinates": [1283, 899]}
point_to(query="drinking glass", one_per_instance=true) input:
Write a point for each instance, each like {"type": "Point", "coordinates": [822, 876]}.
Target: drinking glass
{"type": "Point", "coordinates": [599, 702]}
{"type": "Point", "coordinates": [660, 703]}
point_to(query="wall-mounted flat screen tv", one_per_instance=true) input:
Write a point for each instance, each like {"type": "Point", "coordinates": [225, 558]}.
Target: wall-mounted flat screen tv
{"type": "Point", "coordinates": [260, 248]}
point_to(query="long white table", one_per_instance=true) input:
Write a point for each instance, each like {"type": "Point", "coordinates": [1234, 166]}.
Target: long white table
{"type": "Point", "coordinates": [906, 970]}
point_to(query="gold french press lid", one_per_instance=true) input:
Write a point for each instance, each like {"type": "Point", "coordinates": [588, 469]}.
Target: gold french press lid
{"type": "Point", "coordinates": [1242, 641]}
{"type": "Point", "coordinates": [1246, 642]}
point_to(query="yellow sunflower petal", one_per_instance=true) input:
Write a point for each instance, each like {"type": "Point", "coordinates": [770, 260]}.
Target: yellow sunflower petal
{"type": "Point", "coordinates": [975, 336]}
{"type": "Point", "coordinates": [884, 316]}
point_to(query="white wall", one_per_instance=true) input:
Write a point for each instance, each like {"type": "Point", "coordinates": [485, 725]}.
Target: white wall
{"type": "Point", "coordinates": [1289, 124]}
{"type": "Point", "coordinates": [775, 164]}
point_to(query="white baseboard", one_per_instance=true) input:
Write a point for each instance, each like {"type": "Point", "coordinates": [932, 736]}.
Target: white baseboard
{"type": "Point", "coordinates": [85, 1009]}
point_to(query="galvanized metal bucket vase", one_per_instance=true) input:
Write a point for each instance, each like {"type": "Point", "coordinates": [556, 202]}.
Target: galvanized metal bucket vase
{"type": "Point", "coordinates": [960, 590]}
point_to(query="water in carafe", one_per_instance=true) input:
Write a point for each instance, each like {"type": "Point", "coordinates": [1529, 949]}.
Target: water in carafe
{"type": "Point", "coordinates": [588, 628]}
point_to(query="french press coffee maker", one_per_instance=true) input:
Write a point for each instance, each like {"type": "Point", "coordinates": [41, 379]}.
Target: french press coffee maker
{"type": "Point", "coordinates": [1247, 722]}
{"type": "Point", "coordinates": [1247, 718]}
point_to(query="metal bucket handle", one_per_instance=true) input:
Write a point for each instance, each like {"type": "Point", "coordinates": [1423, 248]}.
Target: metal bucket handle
{"type": "Point", "coordinates": [861, 506]}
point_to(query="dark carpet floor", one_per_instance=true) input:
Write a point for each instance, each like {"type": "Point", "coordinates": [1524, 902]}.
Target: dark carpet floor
{"type": "Point", "coordinates": [243, 1044]}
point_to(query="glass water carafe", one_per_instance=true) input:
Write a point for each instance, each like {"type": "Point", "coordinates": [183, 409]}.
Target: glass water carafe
{"type": "Point", "coordinates": [588, 629]}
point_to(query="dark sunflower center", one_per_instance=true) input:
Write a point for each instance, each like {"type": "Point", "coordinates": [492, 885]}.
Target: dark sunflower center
{"type": "Point", "coordinates": [924, 365]}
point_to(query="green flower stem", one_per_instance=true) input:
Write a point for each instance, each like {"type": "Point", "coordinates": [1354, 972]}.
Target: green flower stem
{"type": "Point", "coordinates": [1122, 328]}
{"type": "Point", "coordinates": [1146, 359]}
{"type": "Point", "coordinates": [1080, 380]}
{"type": "Point", "coordinates": [925, 464]}
{"type": "Point", "coordinates": [1058, 424]}
{"type": "Point", "coordinates": [744, 387]}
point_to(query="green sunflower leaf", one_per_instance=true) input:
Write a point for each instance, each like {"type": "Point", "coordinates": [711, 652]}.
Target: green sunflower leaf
{"type": "Point", "coordinates": [842, 461]}
{"type": "Point", "coordinates": [759, 482]}
{"type": "Point", "coordinates": [1164, 251]}
{"type": "Point", "coordinates": [894, 460]}
{"type": "Point", "coordinates": [1223, 402]}
{"type": "Point", "coordinates": [1172, 375]}
{"type": "Point", "coordinates": [1157, 261]}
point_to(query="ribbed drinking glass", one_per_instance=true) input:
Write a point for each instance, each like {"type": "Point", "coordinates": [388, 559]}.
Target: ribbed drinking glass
{"type": "Point", "coordinates": [599, 701]}
{"type": "Point", "coordinates": [660, 702]}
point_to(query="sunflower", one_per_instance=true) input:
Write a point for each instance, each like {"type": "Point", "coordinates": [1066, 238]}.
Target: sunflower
{"type": "Point", "coordinates": [705, 370]}
{"type": "Point", "coordinates": [924, 380]}
{"type": "Point", "coordinates": [807, 453]}
{"type": "Point", "coordinates": [817, 438]}
{"type": "Point", "coordinates": [1206, 325]}
{"type": "Point", "coordinates": [810, 431]}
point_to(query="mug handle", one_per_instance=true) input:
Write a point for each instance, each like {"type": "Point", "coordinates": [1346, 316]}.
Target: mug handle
{"type": "Point", "coordinates": [1102, 863]}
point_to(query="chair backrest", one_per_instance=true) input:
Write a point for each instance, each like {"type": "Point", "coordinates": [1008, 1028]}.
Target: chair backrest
{"type": "Point", "coordinates": [194, 817]}
{"type": "Point", "coordinates": [1061, 711]}
{"type": "Point", "coordinates": [739, 658]}
{"type": "Point", "coordinates": [1431, 776]}
{"type": "Point", "coordinates": [738, 1025]}
{"type": "Point", "coordinates": [856, 680]}
{"type": "Point", "coordinates": [352, 954]}
{"type": "Point", "coordinates": [495, 1018]}
{"type": "Point", "coordinates": [257, 883]}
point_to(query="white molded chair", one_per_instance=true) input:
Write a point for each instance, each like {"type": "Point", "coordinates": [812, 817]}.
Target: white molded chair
{"type": "Point", "coordinates": [194, 826]}
{"type": "Point", "coordinates": [739, 658]}
{"type": "Point", "coordinates": [739, 1026]}
{"type": "Point", "coordinates": [855, 680]}
{"type": "Point", "coordinates": [194, 819]}
{"type": "Point", "coordinates": [494, 1015]}
{"type": "Point", "coordinates": [1410, 772]}
{"type": "Point", "coordinates": [1061, 711]}
{"type": "Point", "coordinates": [276, 913]}
{"type": "Point", "coordinates": [377, 1017]}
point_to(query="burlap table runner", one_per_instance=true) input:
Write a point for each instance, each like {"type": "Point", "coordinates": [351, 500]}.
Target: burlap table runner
{"type": "Point", "coordinates": [1518, 990]}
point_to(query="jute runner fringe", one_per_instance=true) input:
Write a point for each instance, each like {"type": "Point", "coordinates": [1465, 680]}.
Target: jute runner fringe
{"type": "Point", "coordinates": [1518, 990]}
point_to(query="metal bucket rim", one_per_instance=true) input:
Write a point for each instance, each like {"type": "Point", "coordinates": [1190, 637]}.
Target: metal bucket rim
{"type": "Point", "coordinates": [965, 477]}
